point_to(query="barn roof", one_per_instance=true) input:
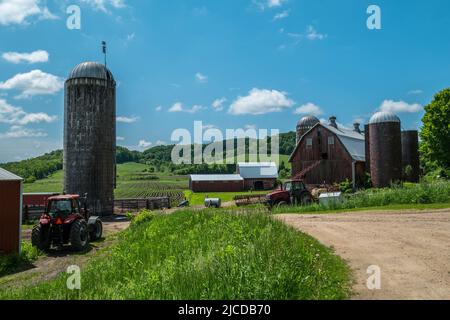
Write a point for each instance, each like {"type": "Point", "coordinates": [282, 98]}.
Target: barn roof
{"type": "Point", "coordinates": [258, 170]}
{"type": "Point", "coordinates": [216, 177]}
{"type": "Point", "coordinates": [8, 176]}
{"type": "Point", "coordinates": [354, 142]}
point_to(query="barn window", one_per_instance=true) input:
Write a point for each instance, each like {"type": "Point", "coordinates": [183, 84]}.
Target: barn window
{"type": "Point", "coordinates": [309, 142]}
{"type": "Point", "coordinates": [331, 141]}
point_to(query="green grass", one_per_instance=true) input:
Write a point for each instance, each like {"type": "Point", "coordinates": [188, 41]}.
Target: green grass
{"type": "Point", "coordinates": [206, 255]}
{"type": "Point", "coordinates": [54, 183]}
{"type": "Point", "coordinates": [434, 195]}
{"type": "Point", "coordinates": [14, 263]}
{"type": "Point", "coordinates": [198, 198]}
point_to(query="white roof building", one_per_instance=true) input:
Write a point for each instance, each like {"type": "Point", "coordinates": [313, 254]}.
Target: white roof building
{"type": "Point", "coordinates": [258, 170]}
{"type": "Point", "coordinates": [215, 177]}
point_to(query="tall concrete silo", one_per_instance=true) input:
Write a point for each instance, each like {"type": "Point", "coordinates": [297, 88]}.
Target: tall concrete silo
{"type": "Point", "coordinates": [90, 135]}
{"type": "Point", "coordinates": [410, 155]}
{"type": "Point", "coordinates": [385, 149]}
{"type": "Point", "coordinates": [304, 125]}
{"type": "Point", "coordinates": [367, 146]}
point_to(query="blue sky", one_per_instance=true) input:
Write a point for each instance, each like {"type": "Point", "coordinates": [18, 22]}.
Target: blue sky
{"type": "Point", "coordinates": [230, 64]}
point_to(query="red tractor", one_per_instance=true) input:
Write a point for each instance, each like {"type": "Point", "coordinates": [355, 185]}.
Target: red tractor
{"type": "Point", "coordinates": [291, 193]}
{"type": "Point", "coordinates": [66, 221]}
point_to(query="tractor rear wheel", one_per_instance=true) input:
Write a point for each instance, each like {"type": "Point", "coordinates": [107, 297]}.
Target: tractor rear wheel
{"type": "Point", "coordinates": [40, 237]}
{"type": "Point", "coordinates": [79, 235]}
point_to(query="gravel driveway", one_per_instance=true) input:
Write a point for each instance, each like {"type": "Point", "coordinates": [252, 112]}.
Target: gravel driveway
{"type": "Point", "coordinates": [411, 248]}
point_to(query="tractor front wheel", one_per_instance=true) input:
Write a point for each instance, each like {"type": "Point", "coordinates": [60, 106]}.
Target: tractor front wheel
{"type": "Point", "coordinates": [282, 204]}
{"type": "Point", "coordinates": [79, 235]}
{"type": "Point", "coordinates": [96, 230]}
{"type": "Point", "coordinates": [40, 237]}
{"type": "Point", "coordinates": [306, 199]}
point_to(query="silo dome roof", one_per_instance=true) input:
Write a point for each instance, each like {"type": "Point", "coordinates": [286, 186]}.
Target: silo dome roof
{"type": "Point", "coordinates": [91, 70]}
{"type": "Point", "coordinates": [309, 121]}
{"type": "Point", "coordinates": [383, 117]}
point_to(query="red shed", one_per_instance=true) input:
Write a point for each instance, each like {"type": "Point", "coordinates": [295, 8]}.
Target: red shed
{"type": "Point", "coordinates": [10, 212]}
{"type": "Point", "coordinates": [216, 183]}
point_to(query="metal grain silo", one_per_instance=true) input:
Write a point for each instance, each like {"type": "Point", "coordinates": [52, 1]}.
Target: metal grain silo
{"type": "Point", "coordinates": [410, 155]}
{"type": "Point", "coordinates": [385, 149]}
{"type": "Point", "coordinates": [304, 125]}
{"type": "Point", "coordinates": [90, 135]}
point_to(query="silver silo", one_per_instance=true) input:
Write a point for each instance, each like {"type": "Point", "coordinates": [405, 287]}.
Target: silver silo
{"type": "Point", "coordinates": [90, 135]}
{"type": "Point", "coordinates": [304, 125]}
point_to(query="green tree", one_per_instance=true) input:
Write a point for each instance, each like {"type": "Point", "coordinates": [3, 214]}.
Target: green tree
{"type": "Point", "coordinates": [435, 135]}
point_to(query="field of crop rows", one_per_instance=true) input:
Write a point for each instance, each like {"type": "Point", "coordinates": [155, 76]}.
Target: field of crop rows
{"type": "Point", "coordinates": [151, 189]}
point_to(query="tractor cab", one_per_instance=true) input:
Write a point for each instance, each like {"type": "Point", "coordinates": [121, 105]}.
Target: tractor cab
{"type": "Point", "coordinates": [66, 206]}
{"type": "Point", "coordinates": [291, 193]}
{"type": "Point", "coordinates": [294, 186]}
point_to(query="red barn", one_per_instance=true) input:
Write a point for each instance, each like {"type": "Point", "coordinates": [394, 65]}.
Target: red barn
{"type": "Point", "coordinates": [328, 154]}
{"type": "Point", "coordinates": [10, 212]}
{"type": "Point", "coordinates": [216, 183]}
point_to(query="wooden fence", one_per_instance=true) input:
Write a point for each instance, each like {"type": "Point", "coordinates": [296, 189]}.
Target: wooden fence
{"type": "Point", "coordinates": [134, 205]}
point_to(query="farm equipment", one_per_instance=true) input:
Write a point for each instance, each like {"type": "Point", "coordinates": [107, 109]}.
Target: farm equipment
{"type": "Point", "coordinates": [250, 199]}
{"type": "Point", "coordinates": [213, 203]}
{"type": "Point", "coordinates": [66, 220]}
{"type": "Point", "coordinates": [291, 193]}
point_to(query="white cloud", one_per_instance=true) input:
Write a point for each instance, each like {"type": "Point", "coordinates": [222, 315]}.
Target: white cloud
{"type": "Point", "coordinates": [17, 116]}
{"type": "Point", "coordinates": [312, 34]}
{"type": "Point", "coordinates": [309, 109]}
{"type": "Point", "coordinates": [127, 119]}
{"type": "Point", "coordinates": [250, 127]}
{"type": "Point", "coordinates": [259, 102]}
{"type": "Point", "coordinates": [218, 104]}
{"type": "Point", "coordinates": [103, 5]}
{"type": "Point", "coordinates": [33, 57]}
{"type": "Point", "coordinates": [33, 83]}
{"type": "Point", "coordinates": [414, 92]}
{"type": "Point", "coordinates": [265, 4]}
{"type": "Point", "coordinates": [159, 108]}
{"type": "Point", "coordinates": [160, 143]}
{"type": "Point", "coordinates": [37, 118]}
{"type": "Point", "coordinates": [18, 11]}
{"type": "Point", "coordinates": [400, 107]}
{"type": "Point", "coordinates": [296, 37]}
{"type": "Point", "coordinates": [17, 132]}
{"type": "Point", "coordinates": [281, 15]}
{"type": "Point", "coordinates": [201, 78]}
{"type": "Point", "coordinates": [275, 3]}
{"type": "Point", "coordinates": [178, 107]}
{"type": "Point", "coordinates": [130, 38]}
{"type": "Point", "coordinates": [120, 139]}
{"type": "Point", "coordinates": [144, 144]}
{"type": "Point", "coordinates": [339, 124]}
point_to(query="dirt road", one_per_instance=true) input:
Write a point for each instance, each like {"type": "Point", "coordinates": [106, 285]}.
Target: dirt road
{"type": "Point", "coordinates": [412, 249]}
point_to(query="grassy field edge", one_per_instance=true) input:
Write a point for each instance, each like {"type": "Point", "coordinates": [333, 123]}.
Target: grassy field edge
{"type": "Point", "coordinates": [206, 255]}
